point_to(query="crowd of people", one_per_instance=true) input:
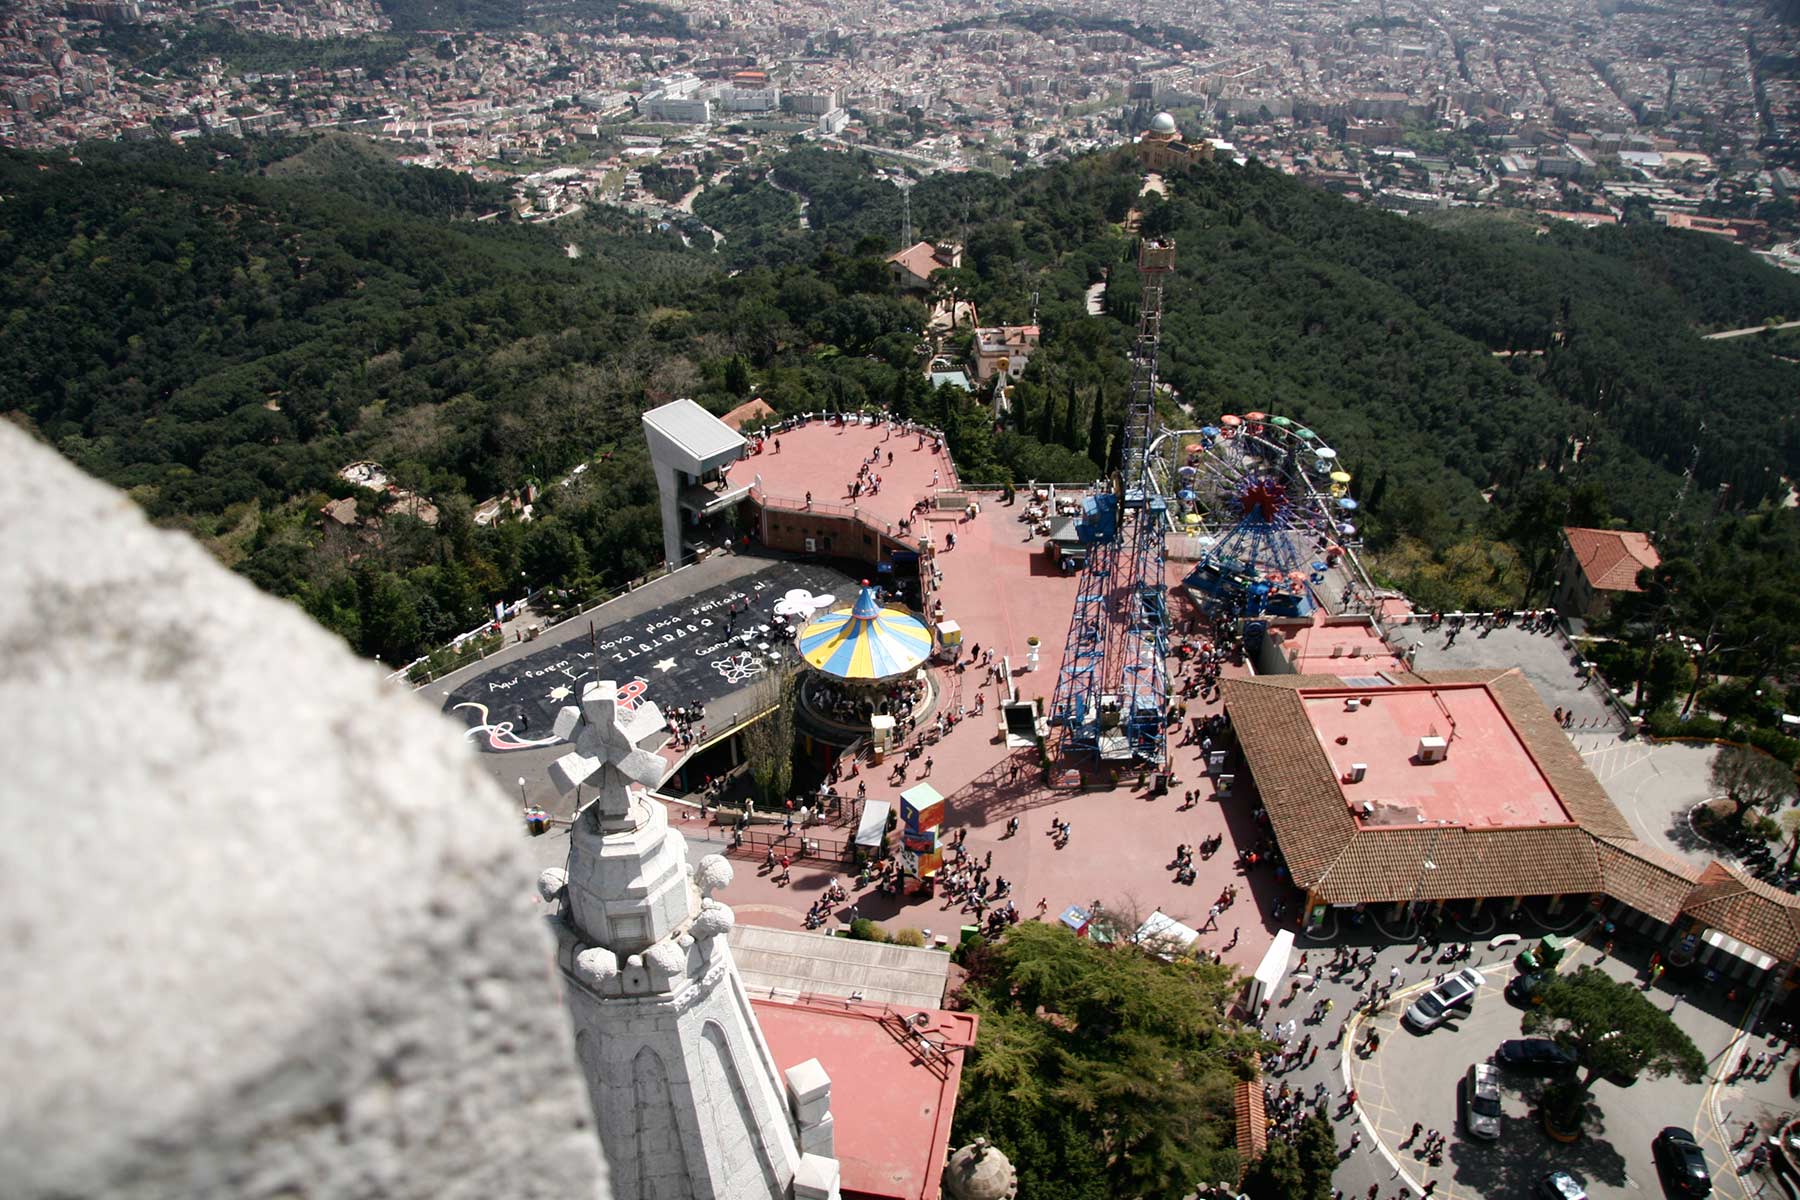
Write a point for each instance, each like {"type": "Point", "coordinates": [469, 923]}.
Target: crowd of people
{"type": "Point", "coordinates": [834, 894]}
{"type": "Point", "coordinates": [1194, 673]}
{"type": "Point", "coordinates": [1536, 620]}
{"type": "Point", "coordinates": [687, 723]}
{"type": "Point", "coordinates": [769, 436]}
{"type": "Point", "coordinates": [847, 705]}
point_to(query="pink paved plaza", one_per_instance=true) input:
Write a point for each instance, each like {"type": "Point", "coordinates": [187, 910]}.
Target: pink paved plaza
{"type": "Point", "coordinates": [1001, 588]}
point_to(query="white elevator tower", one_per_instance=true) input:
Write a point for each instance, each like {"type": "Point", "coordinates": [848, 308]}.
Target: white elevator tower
{"type": "Point", "coordinates": [688, 1100]}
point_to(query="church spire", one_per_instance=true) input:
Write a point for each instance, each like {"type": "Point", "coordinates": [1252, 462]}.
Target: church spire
{"type": "Point", "coordinates": [685, 1093]}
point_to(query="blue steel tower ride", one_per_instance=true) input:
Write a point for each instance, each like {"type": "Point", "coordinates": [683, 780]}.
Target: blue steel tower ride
{"type": "Point", "coordinates": [1112, 690]}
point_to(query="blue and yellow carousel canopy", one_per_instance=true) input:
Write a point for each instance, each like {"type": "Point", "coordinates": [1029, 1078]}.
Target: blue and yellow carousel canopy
{"type": "Point", "coordinates": [866, 641]}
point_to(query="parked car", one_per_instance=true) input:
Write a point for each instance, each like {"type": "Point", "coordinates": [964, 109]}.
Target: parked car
{"type": "Point", "coordinates": [1560, 1185]}
{"type": "Point", "coordinates": [1681, 1162]}
{"type": "Point", "coordinates": [1457, 993]}
{"type": "Point", "coordinates": [1479, 1097]}
{"type": "Point", "coordinates": [1535, 1056]}
{"type": "Point", "coordinates": [1527, 991]}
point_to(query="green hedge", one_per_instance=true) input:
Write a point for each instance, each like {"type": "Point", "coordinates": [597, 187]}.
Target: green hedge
{"type": "Point", "coordinates": [1666, 722]}
{"type": "Point", "coordinates": [1787, 749]}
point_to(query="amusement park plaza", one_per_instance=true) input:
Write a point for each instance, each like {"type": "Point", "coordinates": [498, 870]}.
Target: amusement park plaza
{"type": "Point", "coordinates": [1169, 706]}
{"type": "Point", "coordinates": [1321, 773]}
{"type": "Point", "coordinates": [1175, 710]}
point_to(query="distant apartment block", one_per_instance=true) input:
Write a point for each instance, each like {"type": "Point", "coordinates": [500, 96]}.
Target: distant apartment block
{"type": "Point", "coordinates": [815, 104]}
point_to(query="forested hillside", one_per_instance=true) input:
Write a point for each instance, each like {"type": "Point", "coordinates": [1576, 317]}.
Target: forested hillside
{"type": "Point", "coordinates": [1488, 378]}
{"type": "Point", "coordinates": [627, 16]}
{"type": "Point", "coordinates": [221, 326]}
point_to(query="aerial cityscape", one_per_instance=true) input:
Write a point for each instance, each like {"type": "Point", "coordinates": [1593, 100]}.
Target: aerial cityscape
{"type": "Point", "coordinates": [1581, 108]}
{"type": "Point", "coordinates": [896, 602]}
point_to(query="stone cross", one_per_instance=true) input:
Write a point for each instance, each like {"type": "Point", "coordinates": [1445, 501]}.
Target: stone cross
{"type": "Point", "coordinates": [605, 756]}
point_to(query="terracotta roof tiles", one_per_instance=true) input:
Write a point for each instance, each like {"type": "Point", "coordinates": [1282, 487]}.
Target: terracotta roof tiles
{"type": "Point", "coordinates": [1747, 909]}
{"type": "Point", "coordinates": [1645, 878]}
{"type": "Point", "coordinates": [1386, 865]}
{"type": "Point", "coordinates": [1293, 775]}
{"type": "Point", "coordinates": [1611, 558]}
{"type": "Point", "coordinates": [1252, 1120]}
{"type": "Point", "coordinates": [1342, 862]}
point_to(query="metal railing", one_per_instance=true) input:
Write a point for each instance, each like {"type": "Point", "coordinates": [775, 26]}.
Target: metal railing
{"type": "Point", "coordinates": [799, 846]}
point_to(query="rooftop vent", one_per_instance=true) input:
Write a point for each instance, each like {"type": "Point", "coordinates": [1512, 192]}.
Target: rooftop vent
{"type": "Point", "coordinates": [1352, 704]}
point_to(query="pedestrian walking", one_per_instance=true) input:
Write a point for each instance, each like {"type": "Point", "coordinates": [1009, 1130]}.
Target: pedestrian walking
{"type": "Point", "coordinates": [1394, 975]}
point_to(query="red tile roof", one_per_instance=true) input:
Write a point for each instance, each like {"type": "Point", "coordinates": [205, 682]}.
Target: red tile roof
{"type": "Point", "coordinates": [1252, 1120]}
{"type": "Point", "coordinates": [920, 258]}
{"type": "Point", "coordinates": [1342, 861]}
{"type": "Point", "coordinates": [1645, 878]}
{"type": "Point", "coordinates": [1611, 558]}
{"type": "Point", "coordinates": [1748, 909]}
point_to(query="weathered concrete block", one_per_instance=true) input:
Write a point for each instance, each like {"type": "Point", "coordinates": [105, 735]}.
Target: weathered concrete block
{"type": "Point", "coordinates": [261, 928]}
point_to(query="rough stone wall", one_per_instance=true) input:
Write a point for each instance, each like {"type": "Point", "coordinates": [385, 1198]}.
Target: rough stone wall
{"type": "Point", "coordinates": [268, 933]}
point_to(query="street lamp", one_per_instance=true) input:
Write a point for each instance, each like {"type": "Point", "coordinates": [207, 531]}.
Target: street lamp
{"type": "Point", "coordinates": [1419, 886]}
{"type": "Point", "coordinates": [1425, 865]}
{"type": "Point", "coordinates": [522, 803]}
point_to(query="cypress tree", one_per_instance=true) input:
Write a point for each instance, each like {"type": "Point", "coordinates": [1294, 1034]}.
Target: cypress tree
{"type": "Point", "coordinates": [1071, 422]}
{"type": "Point", "coordinates": [1096, 446]}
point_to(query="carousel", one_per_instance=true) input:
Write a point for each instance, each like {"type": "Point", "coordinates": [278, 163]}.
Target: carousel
{"type": "Point", "coordinates": [868, 667]}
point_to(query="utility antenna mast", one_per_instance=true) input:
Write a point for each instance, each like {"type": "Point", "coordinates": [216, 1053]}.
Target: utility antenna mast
{"type": "Point", "coordinates": [1687, 478]}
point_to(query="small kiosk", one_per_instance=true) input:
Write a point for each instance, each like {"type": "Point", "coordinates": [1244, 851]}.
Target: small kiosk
{"type": "Point", "coordinates": [921, 817]}
{"type": "Point", "coordinates": [949, 639]}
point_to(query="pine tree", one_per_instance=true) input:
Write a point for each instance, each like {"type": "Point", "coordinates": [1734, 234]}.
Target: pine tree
{"type": "Point", "coordinates": [1047, 417]}
{"type": "Point", "coordinates": [1275, 1175]}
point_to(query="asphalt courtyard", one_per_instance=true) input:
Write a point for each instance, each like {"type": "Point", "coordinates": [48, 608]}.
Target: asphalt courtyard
{"type": "Point", "coordinates": [526, 676]}
{"type": "Point", "coordinates": [1414, 1077]}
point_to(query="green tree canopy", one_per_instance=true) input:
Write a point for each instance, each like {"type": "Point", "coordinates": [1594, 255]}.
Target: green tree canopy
{"type": "Point", "coordinates": [1752, 778]}
{"type": "Point", "coordinates": [1133, 1056]}
{"type": "Point", "coordinates": [1296, 1169]}
{"type": "Point", "coordinates": [1613, 1029]}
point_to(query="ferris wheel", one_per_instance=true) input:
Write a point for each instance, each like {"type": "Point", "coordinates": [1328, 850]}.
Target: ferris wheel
{"type": "Point", "coordinates": [1269, 506]}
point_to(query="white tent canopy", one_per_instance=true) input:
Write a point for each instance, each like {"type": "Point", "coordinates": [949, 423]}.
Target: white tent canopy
{"type": "Point", "coordinates": [873, 827]}
{"type": "Point", "coordinates": [1163, 935]}
{"type": "Point", "coordinates": [1269, 974]}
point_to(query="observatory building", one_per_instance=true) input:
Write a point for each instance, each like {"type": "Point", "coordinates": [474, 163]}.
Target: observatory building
{"type": "Point", "coordinates": [1161, 147]}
